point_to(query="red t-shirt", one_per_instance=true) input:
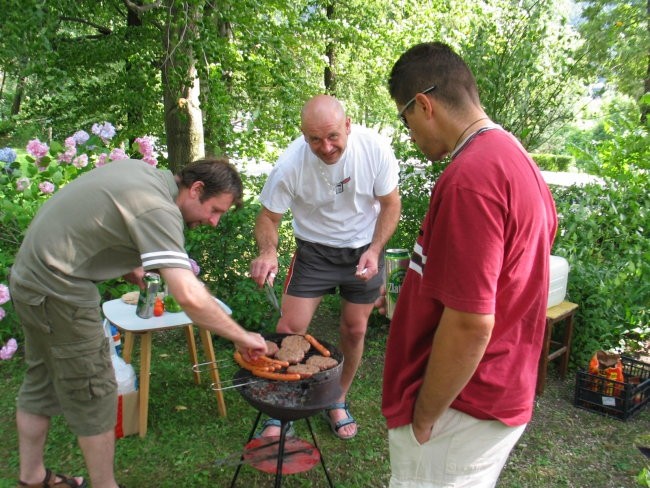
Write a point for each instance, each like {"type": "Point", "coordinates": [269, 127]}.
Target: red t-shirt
{"type": "Point", "coordinates": [484, 247]}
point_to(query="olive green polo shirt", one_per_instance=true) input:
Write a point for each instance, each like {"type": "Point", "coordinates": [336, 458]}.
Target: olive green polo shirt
{"type": "Point", "coordinates": [100, 226]}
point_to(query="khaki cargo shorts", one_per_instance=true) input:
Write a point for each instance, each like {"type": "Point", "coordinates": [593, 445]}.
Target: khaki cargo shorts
{"type": "Point", "coordinates": [69, 369]}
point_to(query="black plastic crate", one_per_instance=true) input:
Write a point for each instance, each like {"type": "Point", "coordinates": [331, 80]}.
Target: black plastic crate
{"type": "Point", "coordinates": [613, 398]}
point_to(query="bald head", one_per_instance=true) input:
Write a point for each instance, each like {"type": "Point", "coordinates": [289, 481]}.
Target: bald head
{"type": "Point", "coordinates": [325, 127]}
{"type": "Point", "coordinates": [321, 109]}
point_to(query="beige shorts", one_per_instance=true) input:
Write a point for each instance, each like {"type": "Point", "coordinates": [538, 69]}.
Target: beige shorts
{"type": "Point", "coordinates": [462, 452]}
{"type": "Point", "coordinates": [69, 369]}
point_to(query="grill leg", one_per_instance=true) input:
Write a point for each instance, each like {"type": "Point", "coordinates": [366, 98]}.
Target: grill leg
{"type": "Point", "coordinates": [241, 459]}
{"type": "Point", "coordinates": [283, 435]}
{"type": "Point", "coordinates": [322, 460]}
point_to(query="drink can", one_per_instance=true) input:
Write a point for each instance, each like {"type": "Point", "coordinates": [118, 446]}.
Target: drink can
{"type": "Point", "coordinates": [397, 262]}
{"type": "Point", "coordinates": [147, 297]}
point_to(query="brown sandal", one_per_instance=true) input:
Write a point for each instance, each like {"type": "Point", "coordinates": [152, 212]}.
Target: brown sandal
{"type": "Point", "coordinates": [50, 482]}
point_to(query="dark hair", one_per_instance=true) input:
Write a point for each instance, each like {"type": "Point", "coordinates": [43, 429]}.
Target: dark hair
{"type": "Point", "coordinates": [218, 176]}
{"type": "Point", "coordinates": [433, 63]}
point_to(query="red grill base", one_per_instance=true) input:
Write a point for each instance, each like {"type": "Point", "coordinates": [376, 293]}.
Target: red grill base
{"type": "Point", "coordinates": [299, 455]}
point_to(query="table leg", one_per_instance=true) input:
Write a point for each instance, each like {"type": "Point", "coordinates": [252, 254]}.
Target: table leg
{"type": "Point", "coordinates": [543, 358]}
{"type": "Point", "coordinates": [191, 345]}
{"type": "Point", "coordinates": [568, 332]}
{"type": "Point", "coordinates": [145, 369]}
{"type": "Point", "coordinates": [127, 349]}
{"type": "Point", "coordinates": [206, 338]}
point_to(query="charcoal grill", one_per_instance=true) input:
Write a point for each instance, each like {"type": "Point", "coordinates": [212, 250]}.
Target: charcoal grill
{"type": "Point", "coordinates": [289, 401]}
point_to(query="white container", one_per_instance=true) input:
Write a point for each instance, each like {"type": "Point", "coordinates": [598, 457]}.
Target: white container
{"type": "Point", "coordinates": [558, 278]}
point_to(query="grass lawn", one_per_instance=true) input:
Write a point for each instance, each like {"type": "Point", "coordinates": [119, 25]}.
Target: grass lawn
{"type": "Point", "coordinates": [188, 445]}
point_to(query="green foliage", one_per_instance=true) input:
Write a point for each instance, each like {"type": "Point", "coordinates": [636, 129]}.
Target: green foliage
{"type": "Point", "coordinates": [618, 42]}
{"type": "Point", "coordinates": [617, 146]}
{"type": "Point", "coordinates": [603, 234]}
{"type": "Point", "coordinates": [552, 162]}
{"type": "Point", "coordinates": [259, 61]}
{"type": "Point", "coordinates": [28, 181]}
{"type": "Point", "coordinates": [524, 62]}
{"type": "Point", "coordinates": [643, 478]}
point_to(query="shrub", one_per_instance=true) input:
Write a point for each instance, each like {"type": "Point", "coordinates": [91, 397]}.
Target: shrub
{"type": "Point", "coordinates": [29, 177]}
{"type": "Point", "coordinates": [603, 234]}
{"type": "Point", "coordinates": [553, 162]}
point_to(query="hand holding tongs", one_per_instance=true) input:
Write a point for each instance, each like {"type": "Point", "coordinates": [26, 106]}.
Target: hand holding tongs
{"type": "Point", "coordinates": [270, 293]}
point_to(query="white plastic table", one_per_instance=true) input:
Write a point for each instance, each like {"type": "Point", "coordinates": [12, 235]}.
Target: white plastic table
{"type": "Point", "coordinates": [123, 316]}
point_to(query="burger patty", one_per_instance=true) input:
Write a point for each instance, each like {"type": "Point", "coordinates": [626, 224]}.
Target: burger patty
{"type": "Point", "coordinates": [271, 349]}
{"type": "Point", "coordinates": [303, 369]}
{"type": "Point", "coordinates": [290, 355]}
{"type": "Point", "coordinates": [296, 342]}
{"type": "Point", "coordinates": [322, 362]}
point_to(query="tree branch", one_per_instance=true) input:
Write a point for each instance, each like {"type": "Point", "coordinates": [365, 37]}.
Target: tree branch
{"type": "Point", "coordinates": [103, 30]}
{"type": "Point", "coordinates": [140, 9]}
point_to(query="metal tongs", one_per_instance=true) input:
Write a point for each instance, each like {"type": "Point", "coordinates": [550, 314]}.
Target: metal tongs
{"type": "Point", "coordinates": [270, 294]}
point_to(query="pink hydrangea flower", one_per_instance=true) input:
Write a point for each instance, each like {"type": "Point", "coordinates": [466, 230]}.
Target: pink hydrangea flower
{"type": "Point", "coordinates": [117, 154]}
{"type": "Point", "coordinates": [46, 187]}
{"type": "Point", "coordinates": [22, 183]}
{"type": "Point", "coordinates": [101, 160]}
{"type": "Point", "coordinates": [5, 296]}
{"type": "Point", "coordinates": [37, 149]}
{"type": "Point", "coordinates": [150, 160]}
{"type": "Point", "coordinates": [80, 161]}
{"type": "Point", "coordinates": [195, 267]}
{"type": "Point", "coordinates": [9, 349]}
{"type": "Point", "coordinates": [2, 313]}
{"type": "Point", "coordinates": [145, 146]}
{"type": "Point", "coordinates": [66, 157]}
{"type": "Point", "coordinates": [70, 142]}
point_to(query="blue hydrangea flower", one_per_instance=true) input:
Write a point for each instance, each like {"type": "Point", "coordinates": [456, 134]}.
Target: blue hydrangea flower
{"type": "Point", "coordinates": [7, 155]}
{"type": "Point", "coordinates": [81, 137]}
{"type": "Point", "coordinates": [106, 131]}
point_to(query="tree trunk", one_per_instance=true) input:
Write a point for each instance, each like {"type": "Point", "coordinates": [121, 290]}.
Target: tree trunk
{"type": "Point", "coordinates": [181, 87]}
{"type": "Point", "coordinates": [330, 52]}
{"type": "Point", "coordinates": [645, 108]}
{"type": "Point", "coordinates": [134, 113]}
{"type": "Point", "coordinates": [18, 96]}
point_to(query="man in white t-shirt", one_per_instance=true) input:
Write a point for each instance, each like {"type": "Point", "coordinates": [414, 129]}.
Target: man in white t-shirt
{"type": "Point", "coordinates": [340, 183]}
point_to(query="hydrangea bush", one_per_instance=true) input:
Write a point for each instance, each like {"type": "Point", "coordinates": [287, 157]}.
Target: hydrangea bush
{"type": "Point", "coordinates": [29, 177]}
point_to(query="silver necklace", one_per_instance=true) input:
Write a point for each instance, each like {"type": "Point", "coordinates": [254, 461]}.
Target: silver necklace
{"type": "Point", "coordinates": [333, 188]}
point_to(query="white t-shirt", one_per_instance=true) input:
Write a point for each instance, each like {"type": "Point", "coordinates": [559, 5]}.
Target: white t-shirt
{"type": "Point", "coordinates": [334, 205]}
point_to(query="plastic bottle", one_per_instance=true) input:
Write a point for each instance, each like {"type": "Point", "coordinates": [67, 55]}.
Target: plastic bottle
{"type": "Point", "coordinates": [124, 372]}
{"type": "Point", "coordinates": [117, 339]}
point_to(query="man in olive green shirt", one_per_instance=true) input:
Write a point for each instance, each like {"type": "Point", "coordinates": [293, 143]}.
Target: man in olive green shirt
{"type": "Point", "coordinates": [118, 220]}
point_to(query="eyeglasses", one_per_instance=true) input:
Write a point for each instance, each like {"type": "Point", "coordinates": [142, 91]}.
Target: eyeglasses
{"type": "Point", "coordinates": [410, 102]}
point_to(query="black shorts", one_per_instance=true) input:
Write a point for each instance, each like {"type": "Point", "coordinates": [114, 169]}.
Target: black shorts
{"type": "Point", "coordinates": [317, 270]}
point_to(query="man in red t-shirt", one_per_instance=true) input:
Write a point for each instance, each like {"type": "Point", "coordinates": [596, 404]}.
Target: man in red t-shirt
{"type": "Point", "coordinates": [466, 336]}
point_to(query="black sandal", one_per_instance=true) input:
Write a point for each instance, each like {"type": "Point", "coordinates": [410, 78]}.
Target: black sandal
{"type": "Point", "coordinates": [50, 482]}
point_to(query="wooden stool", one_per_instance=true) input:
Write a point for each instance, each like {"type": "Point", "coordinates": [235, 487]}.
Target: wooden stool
{"type": "Point", "coordinates": [554, 315]}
